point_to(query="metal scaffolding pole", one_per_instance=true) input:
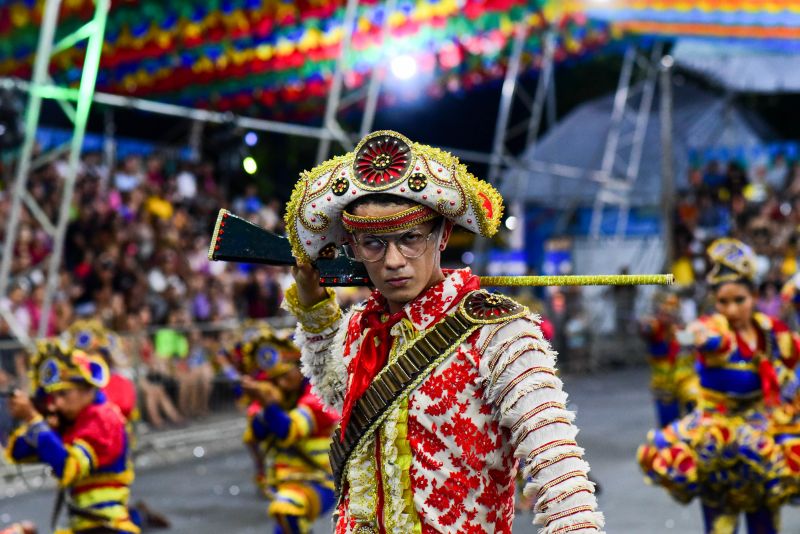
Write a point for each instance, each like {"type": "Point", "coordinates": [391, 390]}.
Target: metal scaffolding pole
{"type": "Point", "coordinates": [625, 142]}
{"type": "Point", "coordinates": [378, 72]}
{"type": "Point", "coordinates": [250, 123]}
{"type": "Point", "coordinates": [109, 146]}
{"type": "Point", "coordinates": [544, 89]}
{"type": "Point", "coordinates": [667, 166]}
{"type": "Point", "coordinates": [335, 91]}
{"type": "Point", "coordinates": [544, 94]}
{"type": "Point", "coordinates": [41, 87]}
{"type": "Point", "coordinates": [88, 78]}
{"type": "Point", "coordinates": [639, 134]}
{"type": "Point", "coordinates": [196, 139]}
{"type": "Point", "coordinates": [43, 51]}
{"type": "Point", "coordinates": [500, 131]}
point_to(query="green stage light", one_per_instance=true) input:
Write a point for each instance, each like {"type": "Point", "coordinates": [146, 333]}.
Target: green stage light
{"type": "Point", "coordinates": [250, 165]}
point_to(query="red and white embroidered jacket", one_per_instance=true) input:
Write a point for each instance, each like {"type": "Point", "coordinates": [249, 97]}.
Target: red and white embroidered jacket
{"type": "Point", "coordinates": [446, 457]}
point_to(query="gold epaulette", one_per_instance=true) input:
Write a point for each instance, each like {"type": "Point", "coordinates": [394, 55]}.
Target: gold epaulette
{"type": "Point", "coordinates": [483, 307]}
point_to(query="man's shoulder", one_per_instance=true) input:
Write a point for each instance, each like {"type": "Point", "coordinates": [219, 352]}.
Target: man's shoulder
{"type": "Point", "coordinates": [484, 307]}
{"type": "Point", "coordinates": [102, 415]}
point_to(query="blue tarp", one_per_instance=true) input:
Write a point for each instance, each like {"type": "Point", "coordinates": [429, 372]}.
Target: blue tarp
{"type": "Point", "coordinates": [49, 138]}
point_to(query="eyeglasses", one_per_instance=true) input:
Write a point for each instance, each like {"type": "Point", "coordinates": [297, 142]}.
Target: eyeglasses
{"type": "Point", "coordinates": [412, 244]}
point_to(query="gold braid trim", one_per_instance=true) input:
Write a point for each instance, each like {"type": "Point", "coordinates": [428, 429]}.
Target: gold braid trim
{"type": "Point", "coordinates": [478, 191]}
{"type": "Point", "coordinates": [318, 317]}
{"type": "Point", "coordinates": [291, 220]}
{"type": "Point", "coordinates": [402, 220]}
{"type": "Point", "coordinates": [220, 217]}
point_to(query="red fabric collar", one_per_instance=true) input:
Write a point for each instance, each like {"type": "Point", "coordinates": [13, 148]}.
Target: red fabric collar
{"type": "Point", "coordinates": [376, 322]}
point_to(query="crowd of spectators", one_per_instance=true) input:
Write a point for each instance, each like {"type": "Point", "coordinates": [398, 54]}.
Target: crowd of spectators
{"type": "Point", "coordinates": [756, 201]}
{"type": "Point", "coordinates": [135, 257]}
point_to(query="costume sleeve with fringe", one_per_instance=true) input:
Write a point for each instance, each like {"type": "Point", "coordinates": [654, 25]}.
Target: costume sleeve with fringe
{"type": "Point", "coordinates": [320, 336]}
{"type": "Point", "coordinates": [520, 380]}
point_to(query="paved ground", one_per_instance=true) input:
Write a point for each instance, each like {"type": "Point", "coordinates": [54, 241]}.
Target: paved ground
{"type": "Point", "coordinates": [213, 494]}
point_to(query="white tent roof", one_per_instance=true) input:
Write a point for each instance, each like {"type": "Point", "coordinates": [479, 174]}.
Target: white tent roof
{"type": "Point", "coordinates": [700, 119]}
{"type": "Point", "coordinates": [741, 67]}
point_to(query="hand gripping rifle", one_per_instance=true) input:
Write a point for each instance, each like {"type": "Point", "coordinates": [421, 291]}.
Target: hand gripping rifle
{"type": "Point", "coordinates": [238, 240]}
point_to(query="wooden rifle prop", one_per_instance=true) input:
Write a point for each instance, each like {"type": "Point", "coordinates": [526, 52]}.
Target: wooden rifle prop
{"type": "Point", "coordinates": [238, 240]}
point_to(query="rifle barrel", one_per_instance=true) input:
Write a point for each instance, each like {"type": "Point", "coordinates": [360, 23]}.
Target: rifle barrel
{"type": "Point", "coordinates": [579, 280]}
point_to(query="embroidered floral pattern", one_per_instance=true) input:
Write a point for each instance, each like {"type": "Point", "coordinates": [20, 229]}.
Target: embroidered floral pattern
{"type": "Point", "coordinates": [382, 160]}
{"type": "Point", "coordinates": [450, 456]}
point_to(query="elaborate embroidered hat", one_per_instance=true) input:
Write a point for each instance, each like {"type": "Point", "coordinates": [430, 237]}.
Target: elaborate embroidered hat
{"type": "Point", "coordinates": [56, 365]}
{"type": "Point", "coordinates": [733, 260]}
{"type": "Point", "coordinates": [267, 352]}
{"type": "Point", "coordinates": [386, 162]}
{"type": "Point", "coordinates": [90, 335]}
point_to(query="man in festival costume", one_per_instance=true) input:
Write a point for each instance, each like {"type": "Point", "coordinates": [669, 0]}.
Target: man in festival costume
{"type": "Point", "coordinates": [442, 386]}
{"type": "Point", "coordinates": [294, 429]}
{"type": "Point", "coordinates": [673, 380]}
{"type": "Point", "coordinates": [87, 449]}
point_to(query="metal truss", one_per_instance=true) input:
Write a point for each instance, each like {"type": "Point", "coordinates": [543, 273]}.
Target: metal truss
{"type": "Point", "coordinates": [42, 87]}
{"type": "Point", "coordinates": [625, 142]}
{"type": "Point", "coordinates": [500, 159]}
{"type": "Point", "coordinates": [339, 99]}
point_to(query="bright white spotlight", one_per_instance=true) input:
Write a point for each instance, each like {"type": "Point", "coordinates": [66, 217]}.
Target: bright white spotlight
{"type": "Point", "coordinates": [250, 165]}
{"type": "Point", "coordinates": [511, 222]}
{"type": "Point", "coordinates": [250, 139]}
{"type": "Point", "coordinates": [404, 67]}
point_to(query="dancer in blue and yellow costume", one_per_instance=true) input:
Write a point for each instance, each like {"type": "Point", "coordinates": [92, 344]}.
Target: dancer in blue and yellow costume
{"type": "Point", "coordinates": [83, 439]}
{"type": "Point", "coordinates": [254, 355]}
{"type": "Point", "coordinates": [727, 452]}
{"type": "Point", "coordinates": [294, 429]}
{"type": "Point", "coordinates": [673, 380]}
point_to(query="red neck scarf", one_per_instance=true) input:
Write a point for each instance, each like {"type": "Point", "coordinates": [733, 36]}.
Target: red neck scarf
{"type": "Point", "coordinates": [374, 350]}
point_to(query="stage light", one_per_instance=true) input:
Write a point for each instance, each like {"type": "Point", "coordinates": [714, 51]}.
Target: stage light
{"type": "Point", "coordinates": [250, 165]}
{"type": "Point", "coordinates": [404, 67]}
{"type": "Point", "coordinates": [511, 222]}
{"type": "Point", "coordinates": [250, 139]}
{"type": "Point", "coordinates": [467, 258]}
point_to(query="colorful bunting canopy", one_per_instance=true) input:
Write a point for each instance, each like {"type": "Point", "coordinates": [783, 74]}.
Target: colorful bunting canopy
{"type": "Point", "coordinates": [750, 20]}
{"type": "Point", "coordinates": [279, 55]}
